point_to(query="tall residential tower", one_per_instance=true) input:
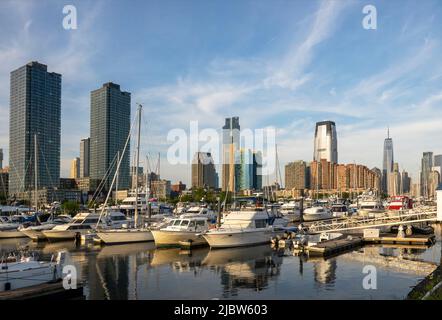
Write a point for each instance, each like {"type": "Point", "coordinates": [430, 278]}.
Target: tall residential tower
{"type": "Point", "coordinates": [110, 126]}
{"type": "Point", "coordinates": [35, 109]}
{"type": "Point", "coordinates": [231, 137]}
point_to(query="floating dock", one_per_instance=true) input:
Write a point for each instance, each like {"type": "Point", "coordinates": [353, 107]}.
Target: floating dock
{"type": "Point", "coordinates": [333, 247]}
{"type": "Point", "coordinates": [52, 290]}
{"type": "Point", "coordinates": [416, 239]}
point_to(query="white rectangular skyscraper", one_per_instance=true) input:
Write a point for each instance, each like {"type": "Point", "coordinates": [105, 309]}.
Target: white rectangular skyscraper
{"type": "Point", "coordinates": [326, 142]}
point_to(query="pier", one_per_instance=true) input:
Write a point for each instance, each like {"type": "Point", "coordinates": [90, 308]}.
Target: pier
{"type": "Point", "coordinates": [52, 290]}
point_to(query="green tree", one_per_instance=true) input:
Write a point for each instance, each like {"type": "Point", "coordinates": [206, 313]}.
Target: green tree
{"type": "Point", "coordinates": [70, 207]}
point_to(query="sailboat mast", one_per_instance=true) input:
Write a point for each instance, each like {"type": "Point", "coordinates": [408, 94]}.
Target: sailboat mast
{"type": "Point", "coordinates": [137, 164]}
{"type": "Point", "coordinates": [118, 176]}
{"type": "Point", "coordinates": [35, 173]}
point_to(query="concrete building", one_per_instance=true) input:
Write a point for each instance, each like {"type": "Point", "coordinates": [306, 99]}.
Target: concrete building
{"type": "Point", "coordinates": [325, 142]}
{"type": "Point", "coordinates": [110, 126]}
{"type": "Point", "coordinates": [1, 159]}
{"type": "Point", "coordinates": [434, 181]}
{"type": "Point", "coordinates": [231, 146]}
{"type": "Point", "coordinates": [406, 182]}
{"type": "Point", "coordinates": [394, 181]}
{"type": "Point", "coordinates": [203, 171]}
{"type": "Point", "coordinates": [85, 154]}
{"type": "Point", "coordinates": [35, 109]}
{"type": "Point", "coordinates": [297, 175]}
{"type": "Point", "coordinates": [161, 189]}
{"type": "Point", "coordinates": [437, 160]}
{"type": "Point", "coordinates": [387, 163]}
{"type": "Point", "coordinates": [426, 165]}
{"type": "Point", "coordinates": [75, 168]}
{"type": "Point", "coordinates": [4, 183]}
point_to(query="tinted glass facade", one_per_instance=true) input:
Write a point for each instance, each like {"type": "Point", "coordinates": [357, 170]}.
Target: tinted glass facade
{"type": "Point", "coordinates": [35, 108]}
{"type": "Point", "coordinates": [110, 126]}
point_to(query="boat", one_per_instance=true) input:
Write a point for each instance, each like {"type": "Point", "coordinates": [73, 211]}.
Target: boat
{"type": "Point", "coordinates": [133, 233]}
{"type": "Point", "coordinates": [339, 210]}
{"type": "Point", "coordinates": [16, 273]}
{"type": "Point", "coordinates": [35, 232]}
{"type": "Point", "coordinates": [370, 207]}
{"type": "Point", "coordinates": [400, 203]}
{"type": "Point", "coordinates": [317, 213]}
{"type": "Point", "coordinates": [82, 223]}
{"type": "Point", "coordinates": [242, 228]}
{"type": "Point", "coordinates": [182, 232]}
{"type": "Point", "coordinates": [291, 211]}
{"type": "Point", "coordinates": [9, 229]}
{"type": "Point", "coordinates": [199, 211]}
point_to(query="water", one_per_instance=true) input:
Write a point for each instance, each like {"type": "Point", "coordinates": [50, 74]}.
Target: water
{"type": "Point", "coordinates": [139, 271]}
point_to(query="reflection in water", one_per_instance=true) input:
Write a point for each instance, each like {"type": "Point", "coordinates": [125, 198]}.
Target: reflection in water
{"type": "Point", "coordinates": [244, 268]}
{"type": "Point", "coordinates": [139, 271]}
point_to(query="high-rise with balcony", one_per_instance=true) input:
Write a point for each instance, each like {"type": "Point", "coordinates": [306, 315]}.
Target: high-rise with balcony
{"type": "Point", "coordinates": [326, 142]}
{"type": "Point", "coordinates": [387, 163]}
{"type": "Point", "coordinates": [110, 126]}
{"type": "Point", "coordinates": [35, 110]}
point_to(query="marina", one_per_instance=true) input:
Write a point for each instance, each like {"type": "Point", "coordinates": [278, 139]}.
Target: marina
{"type": "Point", "coordinates": [142, 271]}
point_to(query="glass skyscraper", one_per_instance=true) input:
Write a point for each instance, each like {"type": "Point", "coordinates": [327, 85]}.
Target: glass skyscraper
{"type": "Point", "coordinates": [326, 142]}
{"type": "Point", "coordinates": [426, 167]}
{"type": "Point", "coordinates": [35, 108]}
{"type": "Point", "coordinates": [231, 144]}
{"type": "Point", "coordinates": [388, 160]}
{"type": "Point", "coordinates": [110, 126]}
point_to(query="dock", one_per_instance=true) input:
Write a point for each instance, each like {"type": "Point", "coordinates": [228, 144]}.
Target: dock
{"type": "Point", "coordinates": [416, 239]}
{"type": "Point", "coordinates": [52, 290]}
{"type": "Point", "coordinates": [333, 247]}
{"type": "Point", "coordinates": [342, 245]}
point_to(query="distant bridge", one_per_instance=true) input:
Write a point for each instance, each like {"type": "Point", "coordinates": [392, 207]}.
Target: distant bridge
{"type": "Point", "coordinates": [391, 218]}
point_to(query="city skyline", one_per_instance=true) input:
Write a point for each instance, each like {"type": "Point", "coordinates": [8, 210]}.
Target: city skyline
{"type": "Point", "coordinates": [225, 79]}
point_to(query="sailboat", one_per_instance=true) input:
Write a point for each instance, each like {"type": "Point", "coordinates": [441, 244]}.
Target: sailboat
{"type": "Point", "coordinates": [131, 233]}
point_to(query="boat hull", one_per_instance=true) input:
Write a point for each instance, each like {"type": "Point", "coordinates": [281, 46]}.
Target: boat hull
{"type": "Point", "coordinates": [238, 238]}
{"type": "Point", "coordinates": [59, 235]}
{"type": "Point", "coordinates": [35, 235]}
{"type": "Point", "coordinates": [177, 238]}
{"type": "Point", "coordinates": [11, 234]}
{"type": "Point", "coordinates": [316, 217]}
{"type": "Point", "coordinates": [124, 236]}
{"type": "Point", "coordinates": [26, 278]}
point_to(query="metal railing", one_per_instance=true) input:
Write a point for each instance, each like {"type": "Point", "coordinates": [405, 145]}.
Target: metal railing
{"type": "Point", "coordinates": [390, 219]}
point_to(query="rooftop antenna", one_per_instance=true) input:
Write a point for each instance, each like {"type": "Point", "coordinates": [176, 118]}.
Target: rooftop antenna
{"type": "Point", "coordinates": [388, 132]}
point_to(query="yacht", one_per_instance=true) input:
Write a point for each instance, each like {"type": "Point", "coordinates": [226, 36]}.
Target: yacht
{"type": "Point", "coordinates": [290, 210]}
{"type": "Point", "coordinates": [9, 229]}
{"type": "Point", "coordinates": [182, 232]}
{"type": "Point", "coordinates": [36, 232]}
{"type": "Point", "coordinates": [317, 213]}
{"type": "Point", "coordinates": [370, 207]}
{"type": "Point", "coordinates": [16, 273]}
{"type": "Point", "coordinates": [199, 211]}
{"type": "Point", "coordinates": [82, 223]}
{"type": "Point", "coordinates": [242, 228]}
{"type": "Point", "coordinates": [339, 210]}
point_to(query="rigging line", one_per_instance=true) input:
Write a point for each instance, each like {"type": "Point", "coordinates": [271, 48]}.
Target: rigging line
{"type": "Point", "coordinates": [103, 180]}
{"type": "Point", "coordinates": [118, 168]}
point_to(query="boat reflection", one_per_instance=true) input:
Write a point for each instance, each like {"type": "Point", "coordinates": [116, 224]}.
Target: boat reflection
{"type": "Point", "coordinates": [244, 268]}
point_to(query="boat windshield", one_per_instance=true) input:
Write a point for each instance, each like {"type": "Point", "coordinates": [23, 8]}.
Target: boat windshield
{"type": "Point", "coordinates": [175, 222]}
{"type": "Point", "coordinates": [185, 223]}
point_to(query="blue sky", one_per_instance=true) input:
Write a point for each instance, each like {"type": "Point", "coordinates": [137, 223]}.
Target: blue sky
{"type": "Point", "coordinates": [285, 64]}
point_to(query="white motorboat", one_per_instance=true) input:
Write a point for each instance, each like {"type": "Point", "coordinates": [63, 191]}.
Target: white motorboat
{"type": "Point", "coordinates": [291, 211]}
{"type": "Point", "coordinates": [9, 229]}
{"type": "Point", "coordinates": [182, 232]}
{"type": "Point", "coordinates": [123, 235]}
{"type": "Point", "coordinates": [35, 232]}
{"type": "Point", "coordinates": [339, 210]}
{"type": "Point", "coordinates": [241, 228]}
{"type": "Point", "coordinates": [199, 211]}
{"type": "Point", "coordinates": [371, 207]}
{"type": "Point", "coordinates": [16, 273]}
{"type": "Point", "coordinates": [317, 213]}
{"type": "Point", "coordinates": [82, 223]}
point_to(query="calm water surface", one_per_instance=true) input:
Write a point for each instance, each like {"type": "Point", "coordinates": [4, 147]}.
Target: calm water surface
{"type": "Point", "coordinates": [139, 271]}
